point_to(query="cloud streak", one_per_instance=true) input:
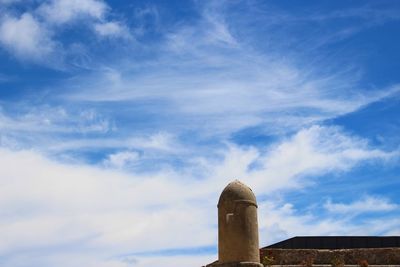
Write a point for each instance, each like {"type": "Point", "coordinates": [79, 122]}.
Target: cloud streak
{"type": "Point", "coordinates": [225, 85]}
{"type": "Point", "coordinates": [367, 204]}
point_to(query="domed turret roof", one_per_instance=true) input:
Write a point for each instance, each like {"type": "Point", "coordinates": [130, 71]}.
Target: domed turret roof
{"type": "Point", "coordinates": [237, 191]}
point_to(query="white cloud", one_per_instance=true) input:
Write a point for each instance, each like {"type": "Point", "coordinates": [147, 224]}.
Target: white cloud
{"type": "Point", "coordinates": [210, 31]}
{"type": "Point", "coordinates": [93, 12]}
{"type": "Point", "coordinates": [111, 29]}
{"type": "Point", "coordinates": [26, 37]}
{"type": "Point", "coordinates": [31, 36]}
{"type": "Point", "coordinates": [45, 204]}
{"type": "Point", "coordinates": [366, 204]}
{"type": "Point", "coordinates": [64, 11]}
{"type": "Point", "coordinates": [313, 151]}
{"type": "Point", "coordinates": [173, 261]}
{"type": "Point", "coordinates": [121, 159]}
{"type": "Point", "coordinates": [106, 213]}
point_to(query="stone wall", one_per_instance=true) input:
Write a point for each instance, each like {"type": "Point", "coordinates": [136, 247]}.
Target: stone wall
{"type": "Point", "coordinates": [374, 256]}
{"type": "Point", "coordinates": [328, 265]}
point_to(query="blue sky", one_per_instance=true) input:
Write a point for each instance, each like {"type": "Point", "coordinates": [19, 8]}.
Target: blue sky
{"type": "Point", "coordinates": [121, 122]}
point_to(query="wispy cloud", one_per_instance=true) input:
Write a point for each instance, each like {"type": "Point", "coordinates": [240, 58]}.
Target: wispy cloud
{"type": "Point", "coordinates": [63, 11]}
{"type": "Point", "coordinates": [367, 204]}
{"type": "Point", "coordinates": [203, 72]}
{"type": "Point", "coordinates": [112, 29]}
{"type": "Point", "coordinates": [49, 119]}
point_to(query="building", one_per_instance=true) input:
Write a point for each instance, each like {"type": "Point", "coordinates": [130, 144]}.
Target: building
{"type": "Point", "coordinates": [334, 250]}
{"type": "Point", "coordinates": [238, 241]}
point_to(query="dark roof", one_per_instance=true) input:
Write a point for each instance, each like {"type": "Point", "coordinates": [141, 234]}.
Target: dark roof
{"type": "Point", "coordinates": [337, 242]}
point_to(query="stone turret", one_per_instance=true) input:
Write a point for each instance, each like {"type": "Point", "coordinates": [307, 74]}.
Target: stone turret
{"type": "Point", "coordinates": [237, 227]}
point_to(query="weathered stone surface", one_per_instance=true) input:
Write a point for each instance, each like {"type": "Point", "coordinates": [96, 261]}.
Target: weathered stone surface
{"type": "Point", "coordinates": [329, 265]}
{"type": "Point", "coordinates": [374, 256]}
{"type": "Point", "coordinates": [237, 227]}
